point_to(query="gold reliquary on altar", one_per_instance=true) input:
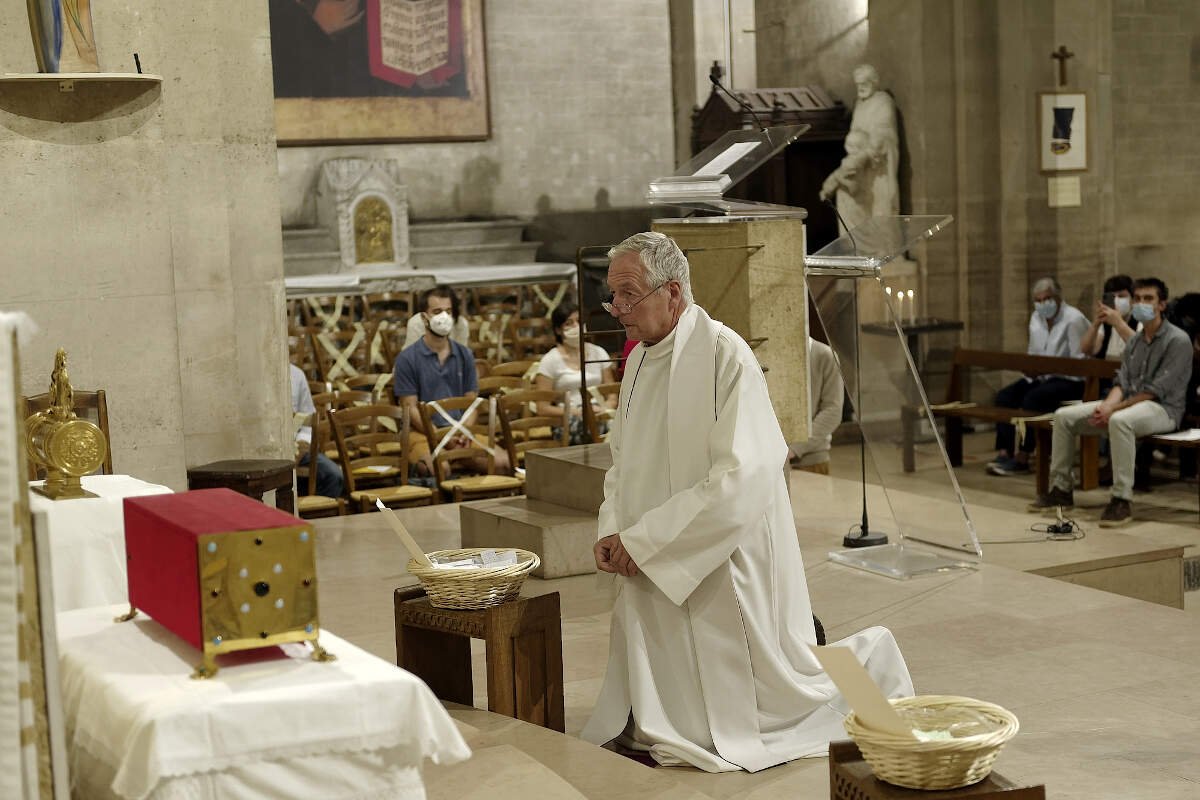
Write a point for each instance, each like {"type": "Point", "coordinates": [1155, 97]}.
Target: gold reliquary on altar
{"type": "Point", "coordinates": [61, 443]}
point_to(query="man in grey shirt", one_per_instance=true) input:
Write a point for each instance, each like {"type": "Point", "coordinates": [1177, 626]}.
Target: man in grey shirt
{"type": "Point", "coordinates": [1147, 398]}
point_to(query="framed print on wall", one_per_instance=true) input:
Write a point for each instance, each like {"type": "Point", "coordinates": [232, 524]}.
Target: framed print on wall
{"type": "Point", "coordinates": [350, 71]}
{"type": "Point", "coordinates": [1062, 131]}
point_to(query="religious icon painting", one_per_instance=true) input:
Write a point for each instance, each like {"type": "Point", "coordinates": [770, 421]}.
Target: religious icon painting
{"type": "Point", "coordinates": [378, 71]}
{"type": "Point", "coordinates": [1062, 132]}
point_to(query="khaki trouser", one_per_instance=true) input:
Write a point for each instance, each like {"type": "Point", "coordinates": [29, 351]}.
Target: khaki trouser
{"type": "Point", "coordinates": [1124, 428]}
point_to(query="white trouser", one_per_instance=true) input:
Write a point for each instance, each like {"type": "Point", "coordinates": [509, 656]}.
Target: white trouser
{"type": "Point", "coordinates": [1124, 428]}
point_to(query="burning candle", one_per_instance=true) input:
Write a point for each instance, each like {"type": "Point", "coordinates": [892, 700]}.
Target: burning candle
{"type": "Point", "coordinates": [912, 307]}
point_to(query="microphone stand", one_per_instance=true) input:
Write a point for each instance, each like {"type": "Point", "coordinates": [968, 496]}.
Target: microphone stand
{"type": "Point", "coordinates": [714, 75]}
{"type": "Point", "coordinates": [865, 537]}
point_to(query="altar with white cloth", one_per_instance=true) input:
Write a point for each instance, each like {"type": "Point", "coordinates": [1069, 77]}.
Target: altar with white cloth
{"type": "Point", "coordinates": [271, 723]}
{"type": "Point", "coordinates": [87, 540]}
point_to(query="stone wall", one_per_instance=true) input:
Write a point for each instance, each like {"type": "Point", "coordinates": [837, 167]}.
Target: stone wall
{"type": "Point", "coordinates": [811, 41]}
{"type": "Point", "coordinates": [966, 78]}
{"type": "Point", "coordinates": [140, 229]}
{"type": "Point", "coordinates": [1156, 111]}
{"type": "Point", "coordinates": [580, 100]}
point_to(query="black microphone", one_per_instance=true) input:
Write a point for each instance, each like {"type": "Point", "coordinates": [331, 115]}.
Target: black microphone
{"type": "Point", "coordinates": [717, 83]}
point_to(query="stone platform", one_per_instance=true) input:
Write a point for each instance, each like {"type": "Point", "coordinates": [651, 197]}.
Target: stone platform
{"type": "Point", "coordinates": [1143, 562]}
{"type": "Point", "coordinates": [1103, 684]}
{"type": "Point", "coordinates": [557, 516]}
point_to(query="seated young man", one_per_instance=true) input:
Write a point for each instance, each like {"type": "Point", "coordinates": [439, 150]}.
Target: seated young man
{"type": "Point", "coordinates": [1147, 398]}
{"type": "Point", "coordinates": [434, 368]}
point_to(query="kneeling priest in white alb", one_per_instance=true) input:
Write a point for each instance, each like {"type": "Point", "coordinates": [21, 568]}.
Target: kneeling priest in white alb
{"type": "Point", "coordinates": [709, 661]}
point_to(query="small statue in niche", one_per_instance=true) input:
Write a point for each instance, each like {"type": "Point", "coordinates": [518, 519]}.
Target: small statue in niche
{"type": "Point", "coordinates": [865, 182]}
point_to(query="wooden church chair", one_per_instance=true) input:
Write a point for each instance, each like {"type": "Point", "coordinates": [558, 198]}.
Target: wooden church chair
{"type": "Point", "coordinates": [478, 452]}
{"type": "Point", "coordinates": [371, 471]}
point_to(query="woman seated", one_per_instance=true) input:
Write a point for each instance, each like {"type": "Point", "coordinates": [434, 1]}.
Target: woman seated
{"type": "Point", "coordinates": [560, 370]}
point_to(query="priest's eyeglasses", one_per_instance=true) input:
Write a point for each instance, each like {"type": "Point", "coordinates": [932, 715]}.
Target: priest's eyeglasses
{"type": "Point", "coordinates": [617, 309]}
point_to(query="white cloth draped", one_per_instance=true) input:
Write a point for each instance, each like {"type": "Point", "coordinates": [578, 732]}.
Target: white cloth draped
{"type": "Point", "coordinates": [709, 661]}
{"type": "Point", "coordinates": [135, 716]}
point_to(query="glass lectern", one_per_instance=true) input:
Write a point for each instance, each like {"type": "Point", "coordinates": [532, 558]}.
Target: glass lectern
{"type": "Point", "coordinates": [851, 282]}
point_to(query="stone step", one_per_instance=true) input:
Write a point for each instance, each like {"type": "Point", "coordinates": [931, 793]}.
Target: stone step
{"type": "Point", "coordinates": [308, 240]}
{"type": "Point", "coordinates": [318, 263]}
{"type": "Point", "coordinates": [569, 476]}
{"type": "Point", "coordinates": [474, 255]}
{"type": "Point", "coordinates": [443, 234]}
{"type": "Point", "coordinates": [561, 537]}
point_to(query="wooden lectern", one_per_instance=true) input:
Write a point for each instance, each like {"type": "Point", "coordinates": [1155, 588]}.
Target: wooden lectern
{"type": "Point", "coordinates": [747, 261]}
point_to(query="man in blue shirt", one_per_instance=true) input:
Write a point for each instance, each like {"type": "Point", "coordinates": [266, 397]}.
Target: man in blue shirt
{"type": "Point", "coordinates": [436, 367]}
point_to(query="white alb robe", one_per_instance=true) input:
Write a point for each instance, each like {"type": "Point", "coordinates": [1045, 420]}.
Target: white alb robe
{"type": "Point", "coordinates": [709, 662]}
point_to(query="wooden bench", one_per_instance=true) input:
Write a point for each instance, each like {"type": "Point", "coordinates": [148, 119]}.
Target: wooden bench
{"type": "Point", "coordinates": [1091, 370]}
{"type": "Point", "coordinates": [1044, 432]}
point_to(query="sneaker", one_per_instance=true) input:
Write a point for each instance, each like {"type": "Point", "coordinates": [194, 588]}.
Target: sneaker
{"type": "Point", "coordinates": [1118, 512]}
{"type": "Point", "coordinates": [1008, 466]}
{"type": "Point", "coordinates": [1055, 498]}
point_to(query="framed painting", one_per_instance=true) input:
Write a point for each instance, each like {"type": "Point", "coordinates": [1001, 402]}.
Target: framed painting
{"type": "Point", "coordinates": [351, 71]}
{"type": "Point", "coordinates": [1062, 132]}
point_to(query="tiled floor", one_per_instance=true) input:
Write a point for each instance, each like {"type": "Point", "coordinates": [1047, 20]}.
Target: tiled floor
{"type": "Point", "coordinates": [1104, 685]}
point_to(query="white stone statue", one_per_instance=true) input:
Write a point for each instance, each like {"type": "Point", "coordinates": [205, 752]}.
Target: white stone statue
{"type": "Point", "coordinates": [865, 182]}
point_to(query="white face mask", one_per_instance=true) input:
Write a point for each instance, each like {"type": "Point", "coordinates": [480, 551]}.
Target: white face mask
{"type": "Point", "coordinates": [1122, 305]}
{"type": "Point", "coordinates": [441, 323]}
{"type": "Point", "coordinates": [571, 336]}
{"type": "Point", "coordinates": [1046, 309]}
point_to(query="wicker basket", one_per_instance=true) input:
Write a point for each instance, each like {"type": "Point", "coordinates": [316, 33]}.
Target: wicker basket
{"type": "Point", "coordinates": [937, 764]}
{"type": "Point", "coordinates": [473, 588]}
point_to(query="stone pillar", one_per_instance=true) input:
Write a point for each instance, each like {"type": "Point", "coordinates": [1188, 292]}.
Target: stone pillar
{"type": "Point", "coordinates": [141, 232]}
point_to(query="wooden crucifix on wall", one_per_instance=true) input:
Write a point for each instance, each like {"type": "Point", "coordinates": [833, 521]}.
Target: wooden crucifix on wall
{"type": "Point", "coordinates": [1061, 55]}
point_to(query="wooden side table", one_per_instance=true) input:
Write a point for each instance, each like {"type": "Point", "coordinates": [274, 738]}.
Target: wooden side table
{"type": "Point", "coordinates": [251, 477]}
{"type": "Point", "coordinates": [850, 778]}
{"type": "Point", "coordinates": [523, 641]}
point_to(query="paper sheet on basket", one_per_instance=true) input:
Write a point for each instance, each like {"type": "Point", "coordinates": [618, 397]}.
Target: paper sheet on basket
{"type": "Point", "coordinates": [864, 697]}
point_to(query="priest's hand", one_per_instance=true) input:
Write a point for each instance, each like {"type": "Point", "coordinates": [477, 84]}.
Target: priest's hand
{"type": "Point", "coordinates": [611, 556]}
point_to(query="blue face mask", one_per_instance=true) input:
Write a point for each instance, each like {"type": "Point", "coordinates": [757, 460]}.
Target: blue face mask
{"type": "Point", "coordinates": [1143, 312]}
{"type": "Point", "coordinates": [1046, 309]}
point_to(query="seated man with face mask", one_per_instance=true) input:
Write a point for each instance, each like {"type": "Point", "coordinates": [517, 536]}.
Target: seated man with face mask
{"type": "Point", "coordinates": [436, 367]}
{"type": "Point", "coordinates": [1148, 397]}
{"type": "Point", "coordinates": [1055, 329]}
{"type": "Point", "coordinates": [459, 330]}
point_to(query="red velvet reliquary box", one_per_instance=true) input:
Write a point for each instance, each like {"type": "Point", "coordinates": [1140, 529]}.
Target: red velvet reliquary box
{"type": "Point", "coordinates": [222, 571]}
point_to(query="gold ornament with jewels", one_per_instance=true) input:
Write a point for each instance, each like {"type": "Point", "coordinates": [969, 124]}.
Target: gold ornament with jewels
{"type": "Point", "coordinates": [66, 446]}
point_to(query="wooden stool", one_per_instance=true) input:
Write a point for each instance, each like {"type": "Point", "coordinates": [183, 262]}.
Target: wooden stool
{"type": "Point", "coordinates": [251, 477]}
{"type": "Point", "coordinates": [523, 640]}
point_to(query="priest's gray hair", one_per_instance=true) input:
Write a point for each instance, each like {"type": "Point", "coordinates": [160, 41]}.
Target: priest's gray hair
{"type": "Point", "coordinates": [1046, 284]}
{"type": "Point", "coordinates": [661, 258]}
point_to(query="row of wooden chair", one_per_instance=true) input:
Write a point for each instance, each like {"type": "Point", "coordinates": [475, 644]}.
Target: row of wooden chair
{"type": "Point", "coordinates": [372, 346]}
{"type": "Point", "coordinates": [336, 311]}
{"type": "Point", "coordinates": [370, 441]}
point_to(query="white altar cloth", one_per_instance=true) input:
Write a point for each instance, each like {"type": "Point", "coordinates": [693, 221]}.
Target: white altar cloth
{"type": "Point", "coordinates": [87, 540]}
{"type": "Point", "coordinates": [282, 726]}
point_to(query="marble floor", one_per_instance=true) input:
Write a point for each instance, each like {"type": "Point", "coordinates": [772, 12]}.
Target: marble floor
{"type": "Point", "coordinates": [1106, 687]}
